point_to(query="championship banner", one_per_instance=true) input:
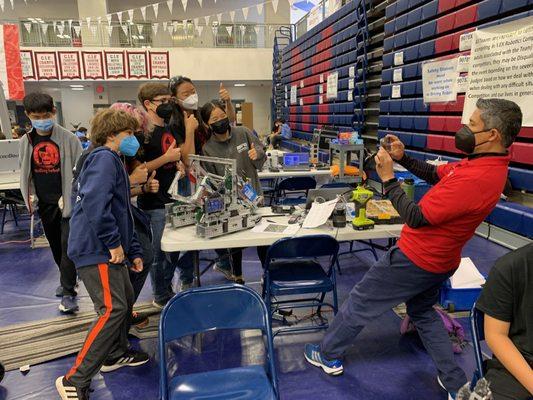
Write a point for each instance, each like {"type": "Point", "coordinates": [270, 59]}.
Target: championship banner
{"type": "Point", "coordinates": [10, 67]}
{"type": "Point", "coordinates": [69, 64]}
{"type": "Point", "coordinates": [28, 67]}
{"type": "Point", "coordinates": [46, 63]}
{"type": "Point", "coordinates": [93, 65]}
{"type": "Point", "coordinates": [159, 65]}
{"type": "Point", "coordinates": [137, 65]}
{"type": "Point", "coordinates": [115, 64]}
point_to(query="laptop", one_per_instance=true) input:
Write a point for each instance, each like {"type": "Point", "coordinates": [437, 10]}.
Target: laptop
{"type": "Point", "coordinates": [327, 194]}
{"type": "Point", "coordinates": [296, 162]}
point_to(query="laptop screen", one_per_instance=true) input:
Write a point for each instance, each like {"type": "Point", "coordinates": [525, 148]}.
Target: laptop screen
{"type": "Point", "coordinates": [295, 159]}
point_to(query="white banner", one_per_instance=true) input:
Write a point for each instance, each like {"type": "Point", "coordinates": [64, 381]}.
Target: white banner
{"type": "Point", "coordinates": [294, 91]}
{"type": "Point", "coordinates": [333, 82]}
{"type": "Point", "coordinates": [501, 66]}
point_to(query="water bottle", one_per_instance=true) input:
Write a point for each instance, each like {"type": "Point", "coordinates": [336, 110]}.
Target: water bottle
{"type": "Point", "coordinates": [408, 186]}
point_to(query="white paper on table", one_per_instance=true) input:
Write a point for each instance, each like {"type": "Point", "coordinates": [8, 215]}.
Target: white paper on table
{"type": "Point", "coordinates": [281, 229]}
{"type": "Point", "coordinates": [398, 167]}
{"type": "Point", "coordinates": [319, 214]}
{"type": "Point", "coordinates": [467, 276]}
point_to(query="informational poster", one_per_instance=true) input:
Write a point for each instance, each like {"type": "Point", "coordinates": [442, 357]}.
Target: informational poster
{"type": "Point", "coordinates": [396, 91]}
{"type": "Point", "coordinates": [398, 58]}
{"type": "Point", "coordinates": [301, 101]}
{"type": "Point", "coordinates": [439, 81]}
{"type": "Point", "coordinates": [93, 64]}
{"type": "Point", "coordinates": [301, 84]}
{"type": "Point", "coordinates": [315, 16]}
{"type": "Point", "coordinates": [320, 89]}
{"type": "Point", "coordinates": [333, 86]}
{"type": "Point", "coordinates": [46, 65]}
{"type": "Point", "coordinates": [397, 75]}
{"type": "Point", "coordinates": [294, 90]}
{"type": "Point", "coordinates": [115, 64]}
{"type": "Point", "coordinates": [462, 84]}
{"type": "Point", "coordinates": [351, 72]}
{"type": "Point", "coordinates": [26, 61]}
{"type": "Point", "coordinates": [10, 67]}
{"type": "Point", "coordinates": [332, 6]}
{"type": "Point", "coordinates": [462, 63]}
{"type": "Point", "coordinates": [69, 64]}
{"type": "Point", "coordinates": [501, 66]}
{"type": "Point", "coordinates": [159, 65]}
{"type": "Point", "coordinates": [320, 99]}
{"type": "Point", "coordinates": [465, 41]}
{"type": "Point", "coordinates": [351, 84]}
{"type": "Point", "coordinates": [350, 95]}
{"type": "Point", "coordinates": [137, 65]}
{"type": "Point", "coordinates": [321, 78]}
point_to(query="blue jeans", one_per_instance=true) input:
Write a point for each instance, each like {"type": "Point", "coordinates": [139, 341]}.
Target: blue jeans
{"type": "Point", "coordinates": [394, 279]}
{"type": "Point", "coordinates": [164, 264]}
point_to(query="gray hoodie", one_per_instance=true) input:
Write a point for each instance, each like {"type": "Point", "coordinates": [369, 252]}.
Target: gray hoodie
{"type": "Point", "coordinates": [69, 150]}
{"type": "Point", "coordinates": [236, 147]}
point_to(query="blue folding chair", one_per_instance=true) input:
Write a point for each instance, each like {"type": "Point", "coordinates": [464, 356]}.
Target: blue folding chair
{"type": "Point", "coordinates": [217, 307]}
{"type": "Point", "coordinates": [477, 319]}
{"type": "Point", "coordinates": [294, 186]}
{"type": "Point", "coordinates": [291, 269]}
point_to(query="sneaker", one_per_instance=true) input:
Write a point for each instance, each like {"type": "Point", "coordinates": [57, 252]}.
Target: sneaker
{"type": "Point", "coordinates": [68, 391]}
{"type": "Point", "coordinates": [139, 320]}
{"type": "Point", "coordinates": [159, 304]}
{"type": "Point", "coordinates": [314, 357]}
{"type": "Point", "coordinates": [451, 395]}
{"type": "Point", "coordinates": [227, 272]}
{"type": "Point", "coordinates": [131, 358]}
{"type": "Point", "coordinates": [69, 305]}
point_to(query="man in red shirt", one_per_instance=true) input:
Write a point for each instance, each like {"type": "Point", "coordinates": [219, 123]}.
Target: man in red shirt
{"type": "Point", "coordinates": [429, 249]}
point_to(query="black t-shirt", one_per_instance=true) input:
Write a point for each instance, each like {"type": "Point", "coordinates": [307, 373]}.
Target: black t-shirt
{"type": "Point", "coordinates": [508, 296]}
{"type": "Point", "coordinates": [46, 168]}
{"type": "Point", "coordinates": [160, 141]}
{"type": "Point", "coordinates": [200, 137]}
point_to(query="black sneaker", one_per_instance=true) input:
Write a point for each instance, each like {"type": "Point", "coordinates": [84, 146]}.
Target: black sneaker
{"type": "Point", "coordinates": [68, 391]}
{"type": "Point", "coordinates": [59, 291]}
{"type": "Point", "coordinates": [139, 320]}
{"type": "Point", "coordinates": [131, 358]}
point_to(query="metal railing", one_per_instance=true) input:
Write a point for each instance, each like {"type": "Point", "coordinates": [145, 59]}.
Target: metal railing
{"type": "Point", "coordinates": [143, 35]}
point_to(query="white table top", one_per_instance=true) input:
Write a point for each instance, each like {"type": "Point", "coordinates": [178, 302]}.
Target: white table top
{"type": "Point", "coordinates": [266, 174]}
{"type": "Point", "coordinates": [185, 239]}
{"type": "Point", "coordinates": [9, 180]}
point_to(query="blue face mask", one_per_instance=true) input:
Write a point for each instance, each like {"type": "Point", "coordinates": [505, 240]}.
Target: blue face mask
{"type": "Point", "coordinates": [44, 125]}
{"type": "Point", "coordinates": [129, 146]}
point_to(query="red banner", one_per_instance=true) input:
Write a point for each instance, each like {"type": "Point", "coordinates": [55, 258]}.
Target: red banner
{"type": "Point", "coordinates": [159, 66]}
{"type": "Point", "coordinates": [69, 64]}
{"type": "Point", "coordinates": [46, 63]}
{"type": "Point", "coordinates": [10, 66]}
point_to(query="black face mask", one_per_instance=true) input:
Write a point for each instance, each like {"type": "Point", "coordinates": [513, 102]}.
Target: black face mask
{"type": "Point", "coordinates": [465, 139]}
{"type": "Point", "coordinates": [220, 127]}
{"type": "Point", "coordinates": [164, 111]}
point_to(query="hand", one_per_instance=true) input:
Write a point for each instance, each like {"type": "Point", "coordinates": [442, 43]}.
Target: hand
{"type": "Point", "coordinates": [173, 153]}
{"type": "Point", "coordinates": [252, 153]}
{"type": "Point", "coordinates": [139, 175]}
{"type": "Point", "coordinates": [223, 93]}
{"type": "Point", "coordinates": [152, 184]}
{"type": "Point", "coordinates": [181, 168]}
{"type": "Point", "coordinates": [137, 265]}
{"type": "Point", "coordinates": [191, 123]}
{"type": "Point", "coordinates": [384, 165]}
{"type": "Point", "coordinates": [397, 147]}
{"type": "Point", "coordinates": [117, 255]}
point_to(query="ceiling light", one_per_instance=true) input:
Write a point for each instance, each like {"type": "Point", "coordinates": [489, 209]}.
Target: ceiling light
{"type": "Point", "coordinates": [240, 84]}
{"type": "Point", "coordinates": [141, 37]}
{"type": "Point", "coordinates": [76, 86]}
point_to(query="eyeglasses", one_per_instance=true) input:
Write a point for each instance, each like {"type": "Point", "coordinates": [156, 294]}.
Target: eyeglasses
{"type": "Point", "coordinates": [161, 101]}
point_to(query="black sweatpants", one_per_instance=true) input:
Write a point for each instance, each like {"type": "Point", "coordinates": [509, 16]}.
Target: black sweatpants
{"type": "Point", "coordinates": [112, 294]}
{"type": "Point", "coordinates": [56, 228]}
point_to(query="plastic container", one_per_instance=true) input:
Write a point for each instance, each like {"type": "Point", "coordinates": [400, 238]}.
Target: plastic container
{"type": "Point", "coordinates": [458, 299]}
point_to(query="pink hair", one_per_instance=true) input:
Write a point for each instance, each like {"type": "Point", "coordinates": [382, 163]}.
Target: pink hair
{"type": "Point", "coordinates": [136, 112]}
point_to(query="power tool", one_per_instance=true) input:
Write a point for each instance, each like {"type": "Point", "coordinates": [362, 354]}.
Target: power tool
{"type": "Point", "coordinates": [360, 196]}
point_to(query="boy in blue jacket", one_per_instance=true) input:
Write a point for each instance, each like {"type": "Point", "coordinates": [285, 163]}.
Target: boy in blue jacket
{"type": "Point", "coordinates": [102, 245]}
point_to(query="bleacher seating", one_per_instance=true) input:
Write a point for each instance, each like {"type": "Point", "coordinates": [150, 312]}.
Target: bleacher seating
{"type": "Point", "coordinates": [412, 32]}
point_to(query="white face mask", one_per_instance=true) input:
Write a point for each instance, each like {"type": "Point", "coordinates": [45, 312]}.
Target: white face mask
{"type": "Point", "coordinates": [190, 103]}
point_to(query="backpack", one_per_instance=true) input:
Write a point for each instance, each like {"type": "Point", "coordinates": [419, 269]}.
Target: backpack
{"type": "Point", "coordinates": [454, 328]}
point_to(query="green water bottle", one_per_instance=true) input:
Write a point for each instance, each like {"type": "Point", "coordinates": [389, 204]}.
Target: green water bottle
{"type": "Point", "coordinates": [408, 186]}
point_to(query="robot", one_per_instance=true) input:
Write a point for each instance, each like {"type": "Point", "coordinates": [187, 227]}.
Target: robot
{"type": "Point", "coordinates": [219, 205]}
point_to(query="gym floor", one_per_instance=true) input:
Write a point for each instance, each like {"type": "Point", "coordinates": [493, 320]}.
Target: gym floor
{"type": "Point", "coordinates": [381, 365]}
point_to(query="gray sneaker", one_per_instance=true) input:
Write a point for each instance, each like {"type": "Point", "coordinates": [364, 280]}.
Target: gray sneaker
{"type": "Point", "coordinates": [69, 305]}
